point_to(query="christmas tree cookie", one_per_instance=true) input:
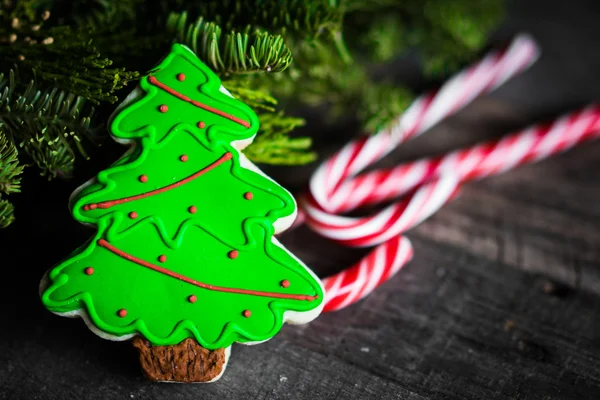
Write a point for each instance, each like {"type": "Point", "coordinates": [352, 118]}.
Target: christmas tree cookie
{"type": "Point", "coordinates": [184, 260]}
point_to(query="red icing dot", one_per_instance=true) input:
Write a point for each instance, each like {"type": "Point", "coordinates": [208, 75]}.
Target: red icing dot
{"type": "Point", "coordinates": [163, 108]}
{"type": "Point", "coordinates": [162, 258]}
{"type": "Point", "coordinates": [285, 283]}
{"type": "Point", "coordinates": [246, 313]}
{"type": "Point", "coordinates": [133, 215]}
{"type": "Point", "coordinates": [143, 178]}
{"type": "Point", "coordinates": [232, 254]}
{"type": "Point", "coordinates": [248, 195]}
{"type": "Point", "coordinates": [180, 77]}
{"type": "Point", "coordinates": [89, 271]}
{"type": "Point", "coordinates": [122, 313]}
{"type": "Point", "coordinates": [192, 298]}
{"type": "Point", "coordinates": [192, 209]}
{"type": "Point", "coordinates": [183, 158]}
{"type": "Point", "coordinates": [201, 124]}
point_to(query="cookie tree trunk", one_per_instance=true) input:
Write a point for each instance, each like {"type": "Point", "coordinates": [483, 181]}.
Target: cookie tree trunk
{"type": "Point", "coordinates": [184, 362]}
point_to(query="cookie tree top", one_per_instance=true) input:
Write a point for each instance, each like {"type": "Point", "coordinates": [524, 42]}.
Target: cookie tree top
{"type": "Point", "coordinates": [184, 244]}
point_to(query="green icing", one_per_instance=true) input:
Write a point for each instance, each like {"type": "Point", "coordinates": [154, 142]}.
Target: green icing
{"type": "Point", "coordinates": [138, 222]}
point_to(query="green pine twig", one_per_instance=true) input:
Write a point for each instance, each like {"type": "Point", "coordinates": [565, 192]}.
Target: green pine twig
{"type": "Point", "coordinates": [302, 19]}
{"type": "Point", "coordinates": [10, 178]}
{"type": "Point", "coordinates": [381, 104]}
{"type": "Point", "coordinates": [7, 213]}
{"type": "Point", "coordinates": [273, 145]}
{"type": "Point", "coordinates": [245, 51]}
{"type": "Point", "coordinates": [241, 89]}
{"type": "Point", "coordinates": [61, 56]}
{"type": "Point", "coordinates": [48, 125]}
{"type": "Point", "coordinates": [10, 169]}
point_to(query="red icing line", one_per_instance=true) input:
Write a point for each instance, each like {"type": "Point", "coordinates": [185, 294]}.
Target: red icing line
{"type": "Point", "coordinates": [112, 203]}
{"type": "Point", "coordinates": [129, 257]}
{"type": "Point", "coordinates": [153, 81]}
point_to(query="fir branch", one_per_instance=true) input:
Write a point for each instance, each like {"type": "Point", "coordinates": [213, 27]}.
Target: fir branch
{"type": "Point", "coordinates": [454, 32]}
{"type": "Point", "coordinates": [385, 37]}
{"type": "Point", "coordinates": [53, 157]}
{"type": "Point", "coordinates": [10, 169]}
{"type": "Point", "coordinates": [237, 52]}
{"type": "Point", "coordinates": [10, 178]}
{"type": "Point", "coordinates": [319, 75]}
{"type": "Point", "coordinates": [47, 125]}
{"type": "Point", "coordinates": [257, 99]}
{"type": "Point", "coordinates": [381, 104]}
{"type": "Point", "coordinates": [101, 15]}
{"type": "Point", "coordinates": [62, 56]}
{"type": "Point", "coordinates": [273, 144]}
{"type": "Point", "coordinates": [7, 216]}
{"type": "Point", "coordinates": [303, 19]}
{"type": "Point", "coordinates": [126, 31]}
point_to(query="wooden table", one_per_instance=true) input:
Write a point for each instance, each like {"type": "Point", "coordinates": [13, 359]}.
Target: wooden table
{"type": "Point", "coordinates": [500, 301]}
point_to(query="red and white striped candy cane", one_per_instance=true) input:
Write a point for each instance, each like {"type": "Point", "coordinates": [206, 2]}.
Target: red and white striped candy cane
{"type": "Point", "coordinates": [445, 174]}
{"type": "Point", "coordinates": [426, 111]}
{"type": "Point", "coordinates": [474, 162]}
{"type": "Point", "coordinates": [359, 280]}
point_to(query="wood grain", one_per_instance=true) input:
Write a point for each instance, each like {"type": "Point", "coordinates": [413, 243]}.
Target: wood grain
{"type": "Point", "coordinates": [500, 301]}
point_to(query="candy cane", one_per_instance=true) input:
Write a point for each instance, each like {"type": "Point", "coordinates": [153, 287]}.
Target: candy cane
{"type": "Point", "coordinates": [356, 282]}
{"type": "Point", "coordinates": [448, 173]}
{"type": "Point", "coordinates": [359, 280]}
{"type": "Point", "coordinates": [474, 162]}
{"type": "Point", "coordinates": [426, 111]}
{"type": "Point", "coordinates": [444, 176]}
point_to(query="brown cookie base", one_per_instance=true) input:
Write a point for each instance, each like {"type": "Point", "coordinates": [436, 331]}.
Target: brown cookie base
{"type": "Point", "coordinates": [183, 362]}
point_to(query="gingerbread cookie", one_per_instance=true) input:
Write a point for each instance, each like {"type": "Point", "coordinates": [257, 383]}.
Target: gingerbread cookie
{"type": "Point", "coordinates": [184, 253]}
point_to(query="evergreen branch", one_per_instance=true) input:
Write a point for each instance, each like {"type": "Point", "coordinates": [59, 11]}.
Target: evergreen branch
{"type": "Point", "coordinates": [273, 145]}
{"type": "Point", "coordinates": [382, 103]}
{"type": "Point", "coordinates": [303, 19]}
{"type": "Point", "coordinates": [257, 99]}
{"type": "Point", "coordinates": [454, 32]}
{"type": "Point", "coordinates": [237, 52]}
{"type": "Point", "coordinates": [385, 37]}
{"type": "Point", "coordinates": [10, 178]}
{"type": "Point", "coordinates": [101, 15]}
{"type": "Point", "coordinates": [47, 125]}
{"type": "Point", "coordinates": [7, 216]}
{"type": "Point", "coordinates": [445, 34]}
{"type": "Point", "coordinates": [125, 31]}
{"type": "Point", "coordinates": [53, 157]}
{"type": "Point", "coordinates": [63, 56]}
{"type": "Point", "coordinates": [10, 170]}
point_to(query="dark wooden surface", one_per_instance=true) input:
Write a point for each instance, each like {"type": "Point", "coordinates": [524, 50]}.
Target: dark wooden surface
{"type": "Point", "coordinates": [500, 301]}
